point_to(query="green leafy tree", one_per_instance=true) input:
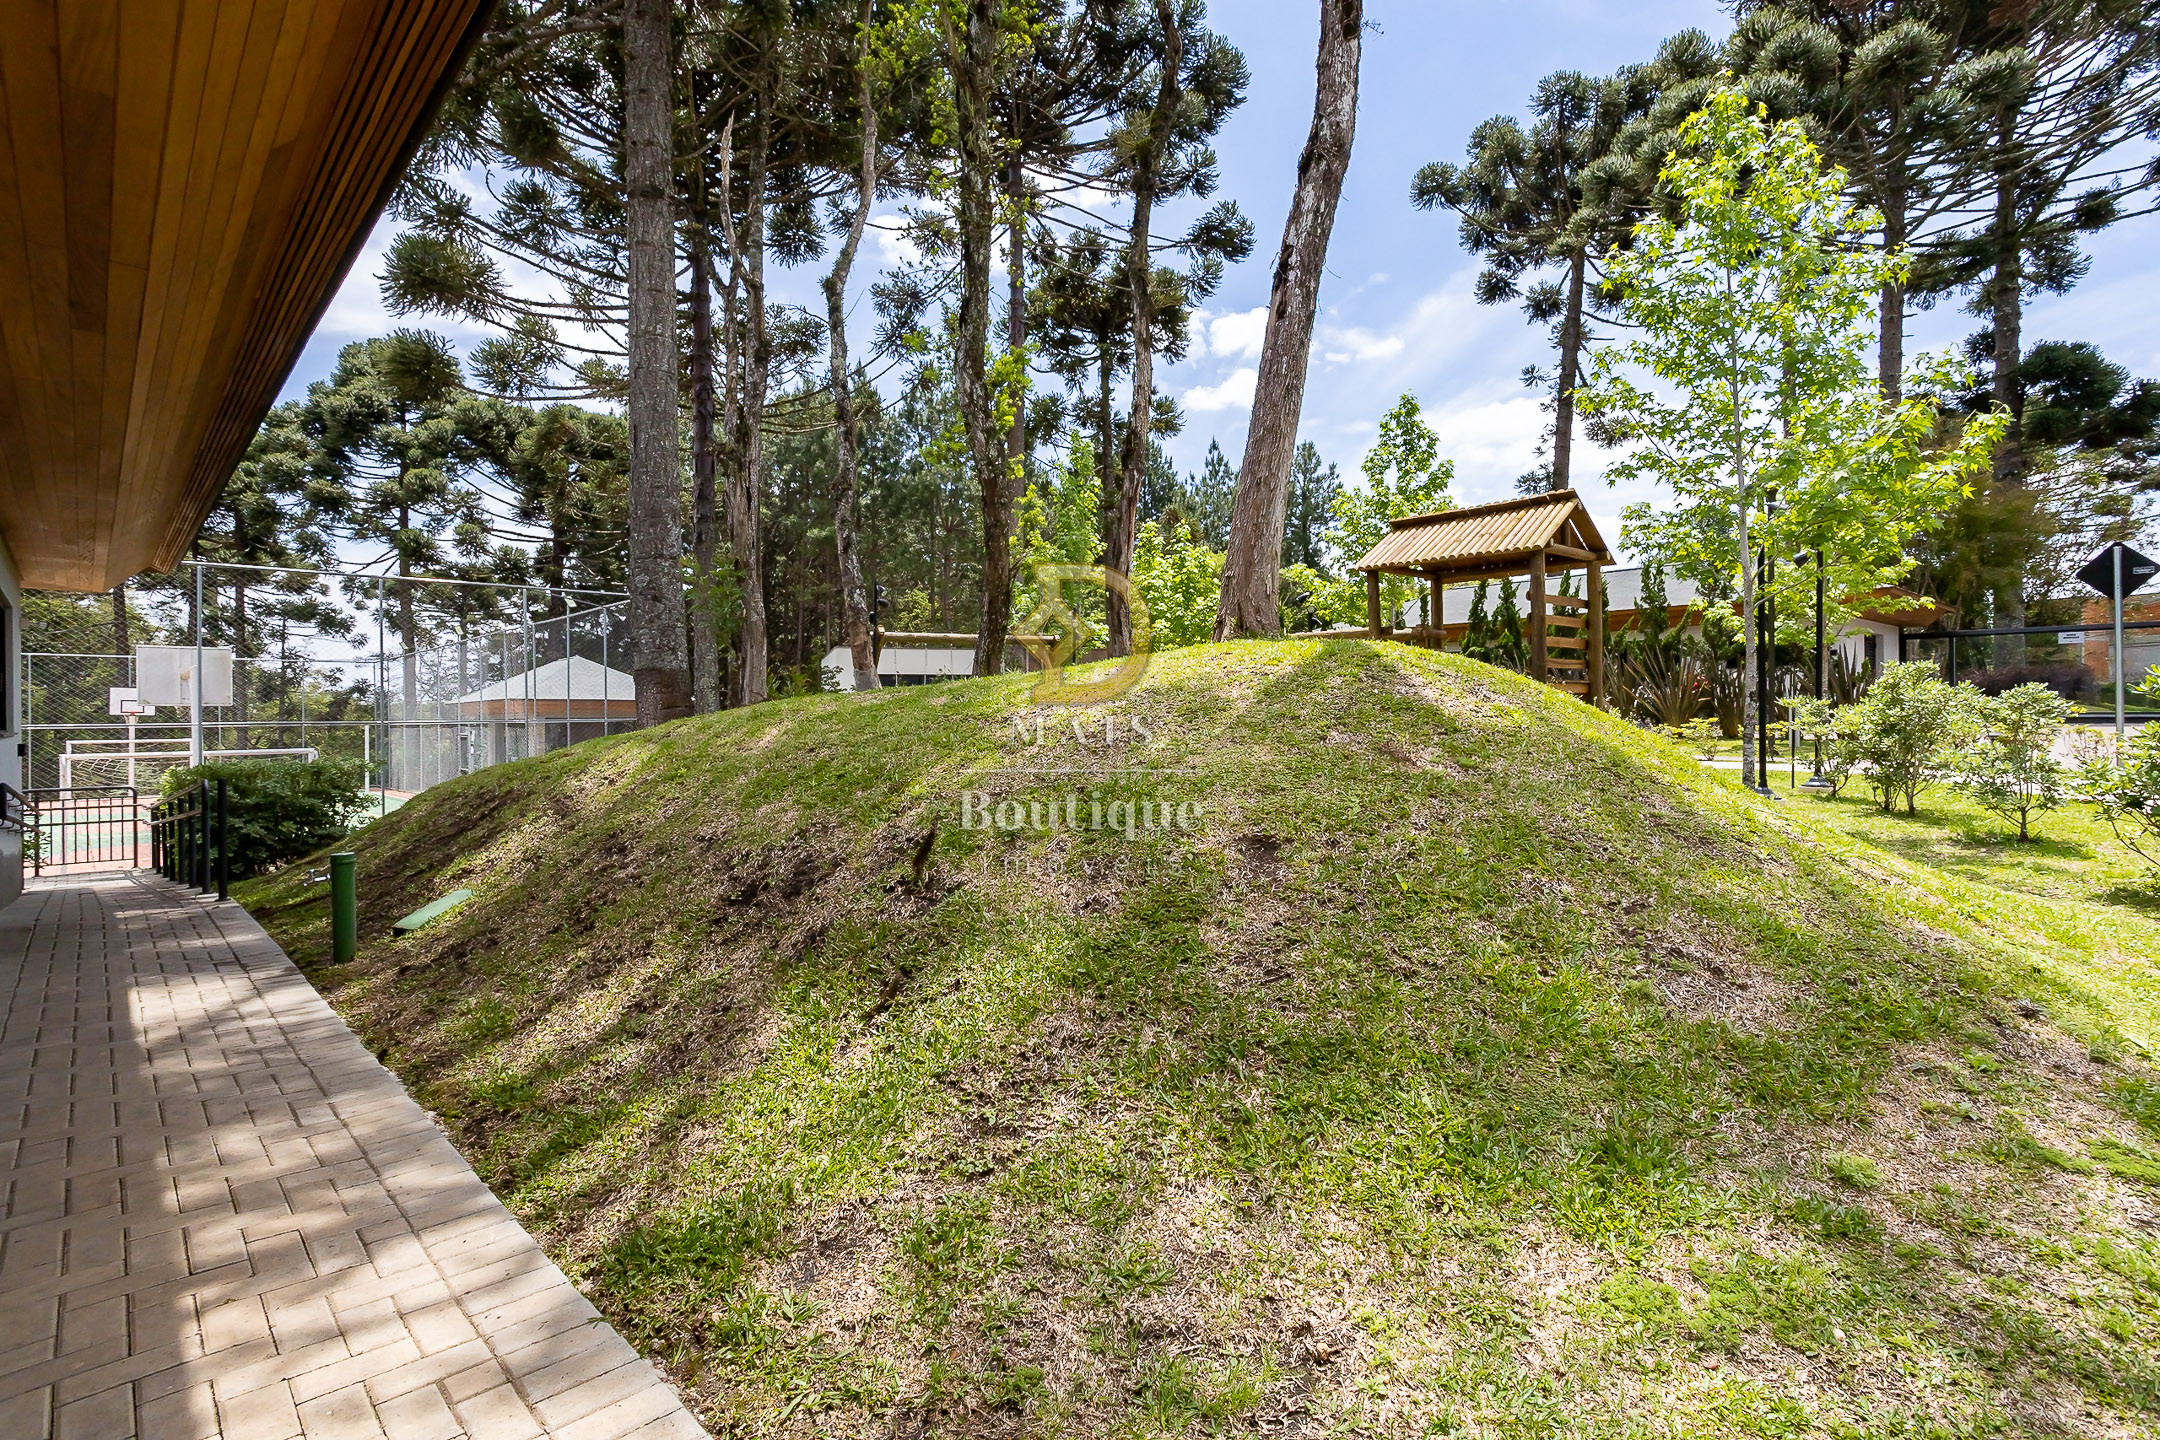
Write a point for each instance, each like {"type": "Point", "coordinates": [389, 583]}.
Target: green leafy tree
{"type": "Point", "coordinates": [2011, 770]}
{"type": "Point", "coordinates": [1180, 577]}
{"type": "Point", "coordinates": [2126, 787]}
{"type": "Point", "coordinates": [1404, 475]}
{"type": "Point", "coordinates": [1521, 202]}
{"type": "Point", "coordinates": [1205, 499]}
{"type": "Point", "coordinates": [1752, 306]}
{"type": "Point", "coordinates": [1305, 519]}
{"type": "Point", "coordinates": [1909, 729]}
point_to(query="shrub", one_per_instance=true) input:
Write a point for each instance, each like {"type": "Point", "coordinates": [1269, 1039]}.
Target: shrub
{"type": "Point", "coordinates": [2067, 678]}
{"type": "Point", "coordinates": [1726, 697]}
{"type": "Point", "coordinates": [279, 810]}
{"type": "Point", "coordinates": [2011, 770]}
{"type": "Point", "coordinates": [1665, 687]}
{"type": "Point", "coordinates": [1907, 728]}
{"type": "Point", "coordinates": [2128, 793]}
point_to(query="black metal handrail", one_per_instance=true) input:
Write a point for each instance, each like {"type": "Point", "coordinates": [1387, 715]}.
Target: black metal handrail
{"type": "Point", "coordinates": [82, 826]}
{"type": "Point", "coordinates": [15, 808]}
{"type": "Point", "coordinates": [189, 842]}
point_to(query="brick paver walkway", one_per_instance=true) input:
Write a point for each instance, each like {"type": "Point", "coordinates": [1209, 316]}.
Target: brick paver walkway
{"type": "Point", "coordinates": [223, 1217]}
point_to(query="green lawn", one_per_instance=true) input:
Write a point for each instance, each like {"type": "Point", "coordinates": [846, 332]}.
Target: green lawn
{"type": "Point", "coordinates": [2073, 884]}
{"type": "Point", "coordinates": [1480, 1065]}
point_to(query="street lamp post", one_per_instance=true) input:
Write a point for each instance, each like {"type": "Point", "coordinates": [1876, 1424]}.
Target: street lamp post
{"type": "Point", "coordinates": [1816, 781]}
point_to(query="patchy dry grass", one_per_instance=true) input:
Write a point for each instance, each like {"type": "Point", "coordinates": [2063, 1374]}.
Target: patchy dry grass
{"type": "Point", "coordinates": [1479, 1065]}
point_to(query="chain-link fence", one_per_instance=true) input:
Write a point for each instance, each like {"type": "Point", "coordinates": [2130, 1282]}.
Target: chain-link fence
{"type": "Point", "coordinates": [414, 680]}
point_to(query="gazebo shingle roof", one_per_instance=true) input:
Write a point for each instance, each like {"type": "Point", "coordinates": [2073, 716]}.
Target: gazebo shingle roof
{"type": "Point", "coordinates": [1487, 534]}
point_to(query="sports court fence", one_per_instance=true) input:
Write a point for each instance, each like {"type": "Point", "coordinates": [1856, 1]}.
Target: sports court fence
{"type": "Point", "coordinates": [413, 680]}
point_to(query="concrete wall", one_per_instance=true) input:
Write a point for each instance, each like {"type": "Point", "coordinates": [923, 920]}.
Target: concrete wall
{"type": "Point", "coordinates": [11, 736]}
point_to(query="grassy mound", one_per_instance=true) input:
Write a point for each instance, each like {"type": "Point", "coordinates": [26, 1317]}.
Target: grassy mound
{"type": "Point", "coordinates": [1433, 1056]}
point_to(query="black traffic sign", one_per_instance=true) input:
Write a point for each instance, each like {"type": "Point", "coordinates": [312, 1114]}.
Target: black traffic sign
{"type": "Point", "coordinates": [2099, 572]}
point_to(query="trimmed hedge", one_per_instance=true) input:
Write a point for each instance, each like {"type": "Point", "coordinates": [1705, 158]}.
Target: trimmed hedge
{"type": "Point", "coordinates": [279, 810]}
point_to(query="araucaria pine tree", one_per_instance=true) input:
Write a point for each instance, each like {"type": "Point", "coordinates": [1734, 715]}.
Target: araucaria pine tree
{"type": "Point", "coordinates": [1752, 308]}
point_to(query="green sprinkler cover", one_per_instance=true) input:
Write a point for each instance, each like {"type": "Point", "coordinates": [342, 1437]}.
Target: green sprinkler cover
{"type": "Point", "coordinates": [432, 911]}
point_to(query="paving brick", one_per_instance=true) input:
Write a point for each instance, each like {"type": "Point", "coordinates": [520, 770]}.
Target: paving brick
{"type": "Point", "coordinates": [597, 1393]}
{"type": "Point", "coordinates": [419, 1415]}
{"type": "Point", "coordinates": [107, 1415]}
{"type": "Point", "coordinates": [345, 1414]}
{"type": "Point", "coordinates": [189, 1414]}
{"type": "Point", "coordinates": [28, 1415]}
{"type": "Point", "coordinates": [499, 1415]}
{"type": "Point", "coordinates": [233, 1322]}
{"type": "Point", "coordinates": [640, 1407]}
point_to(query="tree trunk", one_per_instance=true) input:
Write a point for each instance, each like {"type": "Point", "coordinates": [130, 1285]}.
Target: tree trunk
{"type": "Point", "coordinates": [746, 484]}
{"type": "Point", "coordinates": [1106, 468]}
{"type": "Point", "coordinates": [854, 606]}
{"type": "Point", "coordinates": [1749, 698]}
{"type": "Point", "coordinates": [1139, 279]}
{"type": "Point", "coordinates": [122, 646]}
{"type": "Point", "coordinates": [704, 489]}
{"type": "Point", "coordinates": [974, 56]}
{"type": "Point", "coordinates": [1571, 339]}
{"type": "Point", "coordinates": [240, 694]}
{"type": "Point", "coordinates": [1016, 327]}
{"type": "Point", "coordinates": [656, 591]}
{"type": "Point", "coordinates": [2008, 298]}
{"type": "Point", "coordinates": [1890, 345]}
{"type": "Point", "coordinates": [1252, 570]}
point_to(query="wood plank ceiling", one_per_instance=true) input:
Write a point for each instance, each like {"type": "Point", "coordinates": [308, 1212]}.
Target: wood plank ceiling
{"type": "Point", "coordinates": [183, 184]}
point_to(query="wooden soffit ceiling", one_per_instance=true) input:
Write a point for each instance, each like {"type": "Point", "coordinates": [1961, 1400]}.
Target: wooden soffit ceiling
{"type": "Point", "coordinates": [183, 184]}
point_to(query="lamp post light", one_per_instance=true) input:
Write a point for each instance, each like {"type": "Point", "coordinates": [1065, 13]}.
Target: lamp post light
{"type": "Point", "coordinates": [1816, 783]}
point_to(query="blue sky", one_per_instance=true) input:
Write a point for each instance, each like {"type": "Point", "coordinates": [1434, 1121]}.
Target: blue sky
{"type": "Point", "coordinates": [1396, 312]}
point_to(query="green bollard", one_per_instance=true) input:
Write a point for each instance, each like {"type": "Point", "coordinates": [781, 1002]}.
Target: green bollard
{"type": "Point", "coordinates": [344, 907]}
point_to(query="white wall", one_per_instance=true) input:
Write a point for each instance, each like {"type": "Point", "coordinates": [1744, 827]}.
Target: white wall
{"type": "Point", "coordinates": [10, 720]}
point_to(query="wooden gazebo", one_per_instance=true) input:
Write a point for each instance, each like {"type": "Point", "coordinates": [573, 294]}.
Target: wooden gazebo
{"type": "Point", "coordinates": [1535, 537]}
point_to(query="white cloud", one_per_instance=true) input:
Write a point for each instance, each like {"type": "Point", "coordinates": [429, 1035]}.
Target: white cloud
{"type": "Point", "coordinates": [1234, 393]}
{"type": "Point", "coordinates": [1238, 336]}
{"type": "Point", "coordinates": [1360, 344]}
{"type": "Point", "coordinates": [1490, 442]}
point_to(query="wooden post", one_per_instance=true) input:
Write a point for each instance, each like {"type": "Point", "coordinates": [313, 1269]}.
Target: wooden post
{"type": "Point", "coordinates": [1595, 644]}
{"type": "Point", "coordinates": [1372, 604]}
{"type": "Point", "coordinates": [1434, 621]}
{"type": "Point", "coordinates": [1537, 617]}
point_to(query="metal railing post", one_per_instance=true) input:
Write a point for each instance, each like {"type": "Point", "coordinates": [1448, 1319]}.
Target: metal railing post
{"type": "Point", "coordinates": [202, 836]}
{"type": "Point", "coordinates": [224, 846]}
{"type": "Point", "coordinates": [344, 907]}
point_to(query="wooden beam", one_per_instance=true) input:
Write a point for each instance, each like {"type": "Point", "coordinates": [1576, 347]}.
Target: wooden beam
{"type": "Point", "coordinates": [1596, 586]}
{"type": "Point", "coordinates": [1569, 552]}
{"type": "Point", "coordinates": [1537, 616]}
{"type": "Point", "coordinates": [1372, 604]}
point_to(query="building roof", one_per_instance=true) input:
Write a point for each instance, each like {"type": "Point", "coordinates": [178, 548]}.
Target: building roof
{"type": "Point", "coordinates": [1477, 536]}
{"type": "Point", "coordinates": [182, 188]}
{"type": "Point", "coordinates": [581, 678]}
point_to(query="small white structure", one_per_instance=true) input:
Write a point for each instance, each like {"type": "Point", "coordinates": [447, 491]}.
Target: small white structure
{"type": "Point", "coordinates": [541, 709]}
{"type": "Point", "coordinates": [573, 688]}
{"type": "Point", "coordinates": [903, 665]}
